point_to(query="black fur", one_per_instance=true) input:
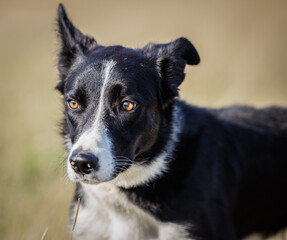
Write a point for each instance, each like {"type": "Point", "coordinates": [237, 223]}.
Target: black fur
{"type": "Point", "coordinates": [228, 175]}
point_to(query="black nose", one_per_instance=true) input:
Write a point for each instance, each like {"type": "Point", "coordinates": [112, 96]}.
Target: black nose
{"type": "Point", "coordinates": [84, 162]}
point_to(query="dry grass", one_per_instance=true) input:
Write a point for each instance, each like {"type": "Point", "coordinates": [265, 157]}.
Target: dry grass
{"type": "Point", "coordinates": [242, 46]}
{"type": "Point", "coordinates": [44, 234]}
{"type": "Point", "coordinates": [76, 214]}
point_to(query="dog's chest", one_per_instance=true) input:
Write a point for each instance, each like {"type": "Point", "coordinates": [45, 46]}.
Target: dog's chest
{"type": "Point", "coordinates": [108, 214]}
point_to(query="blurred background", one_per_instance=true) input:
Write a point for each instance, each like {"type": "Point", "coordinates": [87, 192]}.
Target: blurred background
{"type": "Point", "coordinates": [242, 45]}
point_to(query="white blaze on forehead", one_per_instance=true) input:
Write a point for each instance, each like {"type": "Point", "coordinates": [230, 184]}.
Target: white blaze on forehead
{"type": "Point", "coordinates": [95, 138]}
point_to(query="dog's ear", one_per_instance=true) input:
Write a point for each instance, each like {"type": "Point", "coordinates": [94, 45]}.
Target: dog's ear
{"type": "Point", "coordinates": [73, 44]}
{"type": "Point", "coordinates": [170, 60]}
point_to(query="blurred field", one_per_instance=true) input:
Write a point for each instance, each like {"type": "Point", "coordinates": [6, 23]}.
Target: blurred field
{"type": "Point", "coordinates": [243, 50]}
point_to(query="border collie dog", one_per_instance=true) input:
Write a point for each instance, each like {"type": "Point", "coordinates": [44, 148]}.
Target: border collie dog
{"type": "Point", "coordinates": [149, 166]}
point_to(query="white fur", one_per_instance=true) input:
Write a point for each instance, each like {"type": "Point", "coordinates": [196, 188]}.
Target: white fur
{"type": "Point", "coordinates": [142, 174]}
{"type": "Point", "coordinates": [108, 214]}
{"type": "Point", "coordinates": [96, 140]}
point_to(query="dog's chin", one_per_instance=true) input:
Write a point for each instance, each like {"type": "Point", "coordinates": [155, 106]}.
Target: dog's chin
{"type": "Point", "coordinates": [93, 181]}
{"type": "Point", "coordinates": [90, 178]}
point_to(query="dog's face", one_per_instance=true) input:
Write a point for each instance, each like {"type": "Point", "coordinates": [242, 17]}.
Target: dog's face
{"type": "Point", "coordinates": [112, 112]}
{"type": "Point", "coordinates": [116, 101]}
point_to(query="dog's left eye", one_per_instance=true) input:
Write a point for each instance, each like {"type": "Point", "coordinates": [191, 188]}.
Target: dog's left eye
{"type": "Point", "coordinates": [128, 106]}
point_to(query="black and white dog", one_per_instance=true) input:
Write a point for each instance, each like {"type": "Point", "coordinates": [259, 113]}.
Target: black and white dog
{"type": "Point", "coordinates": [149, 166]}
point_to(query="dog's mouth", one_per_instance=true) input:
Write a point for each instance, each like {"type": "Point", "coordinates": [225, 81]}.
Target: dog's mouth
{"type": "Point", "coordinates": [85, 167]}
{"type": "Point", "coordinates": [94, 177]}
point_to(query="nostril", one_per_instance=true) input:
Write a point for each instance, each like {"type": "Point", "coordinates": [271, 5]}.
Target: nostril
{"type": "Point", "coordinates": [87, 167]}
{"type": "Point", "coordinates": [73, 164]}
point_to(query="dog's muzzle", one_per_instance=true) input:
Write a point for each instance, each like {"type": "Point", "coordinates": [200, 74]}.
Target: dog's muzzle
{"type": "Point", "coordinates": [84, 162]}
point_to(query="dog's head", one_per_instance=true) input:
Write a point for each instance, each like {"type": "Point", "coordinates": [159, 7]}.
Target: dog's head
{"type": "Point", "coordinates": [117, 100]}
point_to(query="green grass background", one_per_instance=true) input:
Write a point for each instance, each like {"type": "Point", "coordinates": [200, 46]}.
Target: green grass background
{"type": "Point", "coordinates": [243, 50]}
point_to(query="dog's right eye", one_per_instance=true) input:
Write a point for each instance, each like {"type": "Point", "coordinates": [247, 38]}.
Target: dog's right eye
{"type": "Point", "coordinates": [73, 104]}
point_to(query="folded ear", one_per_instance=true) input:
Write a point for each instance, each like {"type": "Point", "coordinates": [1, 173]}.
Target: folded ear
{"type": "Point", "coordinates": [171, 59]}
{"type": "Point", "coordinates": [73, 44]}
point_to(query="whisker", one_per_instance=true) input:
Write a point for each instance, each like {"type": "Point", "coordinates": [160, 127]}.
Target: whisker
{"type": "Point", "coordinates": [126, 162]}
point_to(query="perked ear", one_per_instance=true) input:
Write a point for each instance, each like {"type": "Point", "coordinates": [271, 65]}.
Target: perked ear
{"type": "Point", "coordinates": [171, 59]}
{"type": "Point", "coordinates": [73, 44]}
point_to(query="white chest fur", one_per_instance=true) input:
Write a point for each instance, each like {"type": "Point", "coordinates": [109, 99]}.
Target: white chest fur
{"type": "Point", "coordinates": [108, 214]}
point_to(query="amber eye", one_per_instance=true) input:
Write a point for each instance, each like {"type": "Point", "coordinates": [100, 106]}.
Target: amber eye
{"type": "Point", "coordinates": [73, 104]}
{"type": "Point", "coordinates": [128, 106]}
